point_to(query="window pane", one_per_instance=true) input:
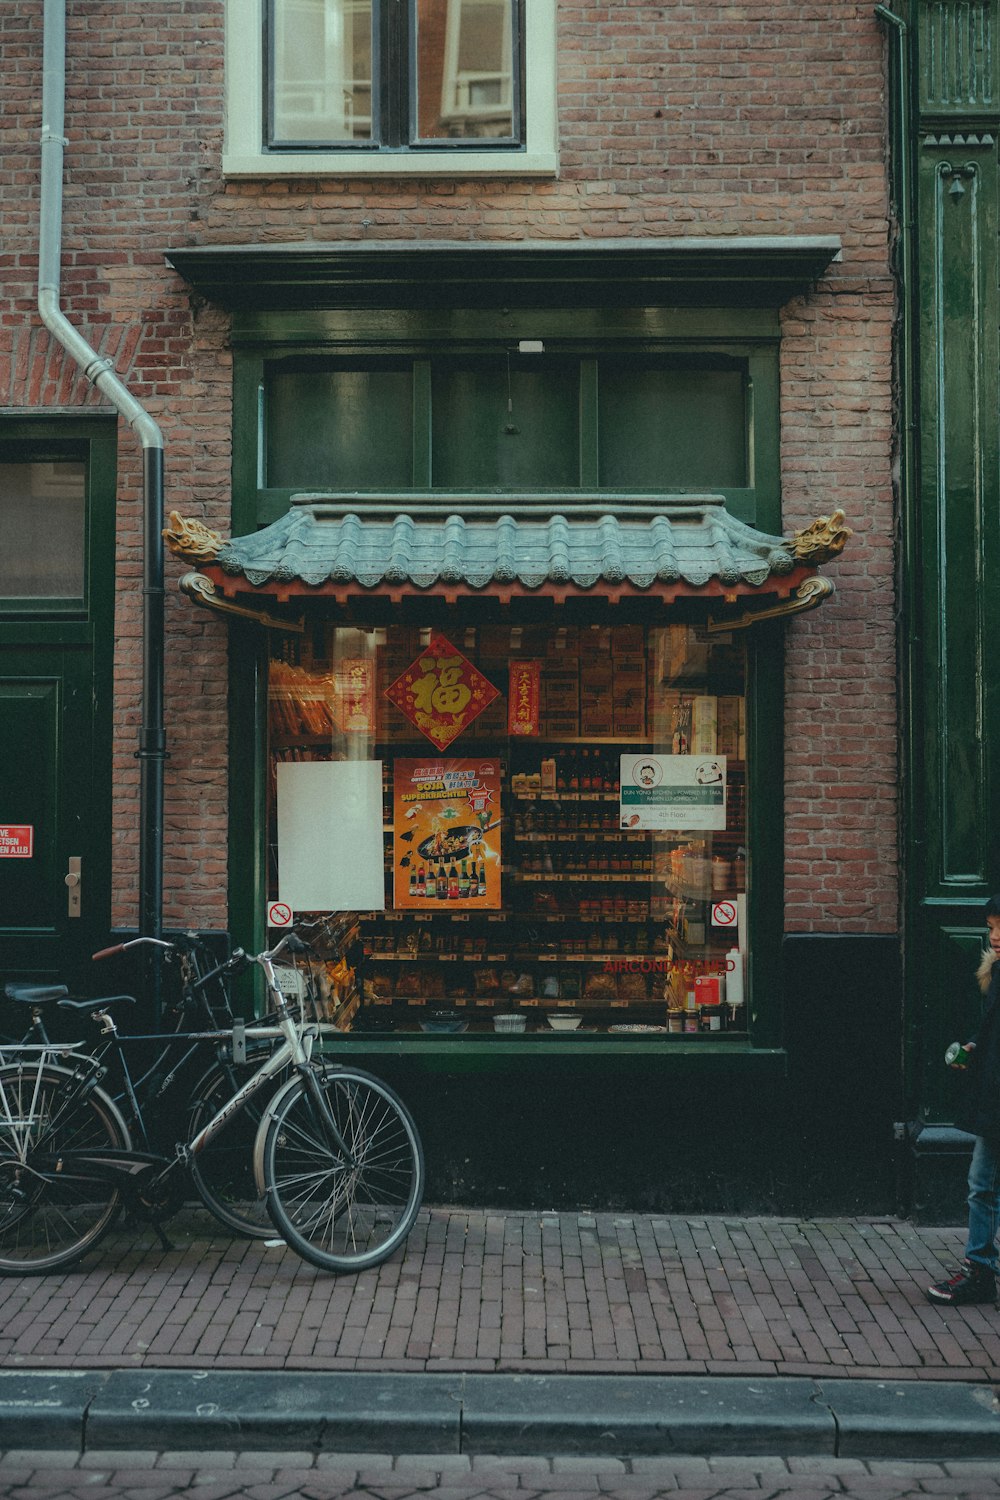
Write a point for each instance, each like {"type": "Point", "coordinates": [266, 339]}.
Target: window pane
{"type": "Point", "coordinates": [465, 69]}
{"type": "Point", "coordinates": [343, 429]}
{"type": "Point", "coordinates": [662, 428]}
{"type": "Point", "coordinates": [42, 536]}
{"type": "Point", "coordinates": [587, 873]}
{"type": "Point", "coordinates": [321, 70]}
{"type": "Point", "coordinates": [516, 426]}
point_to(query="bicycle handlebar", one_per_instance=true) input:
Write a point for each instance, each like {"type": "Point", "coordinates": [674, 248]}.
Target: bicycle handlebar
{"type": "Point", "coordinates": [290, 942]}
{"type": "Point", "coordinates": [132, 943]}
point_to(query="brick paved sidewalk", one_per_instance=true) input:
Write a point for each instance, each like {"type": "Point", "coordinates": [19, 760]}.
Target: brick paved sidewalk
{"type": "Point", "coordinates": [546, 1293]}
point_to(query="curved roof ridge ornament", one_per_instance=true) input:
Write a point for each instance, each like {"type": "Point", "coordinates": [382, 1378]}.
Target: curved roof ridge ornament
{"type": "Point", "coordinates": [809, 594]}
{"type": "Point", "coordinates": [191, 539]}
{"type": "Point", "coordinates": [203, 591]}
{"type": "Point", "coordinates": [817, 543]}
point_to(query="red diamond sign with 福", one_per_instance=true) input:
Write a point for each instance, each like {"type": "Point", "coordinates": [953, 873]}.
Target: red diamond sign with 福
{"type": "Point", "coordinates": [441, 692]}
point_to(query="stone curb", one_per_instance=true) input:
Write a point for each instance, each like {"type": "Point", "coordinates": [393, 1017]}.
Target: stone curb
{"type": "Point", "coordinates": [614, 1416]}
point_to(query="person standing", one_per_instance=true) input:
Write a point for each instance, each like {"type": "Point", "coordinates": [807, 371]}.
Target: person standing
{"type": "Point", "coordinates": [976, 1278]}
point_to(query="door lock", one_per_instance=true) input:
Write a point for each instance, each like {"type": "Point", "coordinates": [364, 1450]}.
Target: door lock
{"type": "Point", "coordinates": [74, 884]}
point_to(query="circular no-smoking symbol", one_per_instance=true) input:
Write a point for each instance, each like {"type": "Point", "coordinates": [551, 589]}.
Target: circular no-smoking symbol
{"type": "Point", "coordinates": [724, 914]}
{"type": "Point", "coordinates": [279, 914]}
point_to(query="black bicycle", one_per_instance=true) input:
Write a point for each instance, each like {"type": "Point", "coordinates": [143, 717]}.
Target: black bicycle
{"type": "Point", "coordinates": [336, 1156]}
{"type": "Point", "coordinates": [179, 1082]}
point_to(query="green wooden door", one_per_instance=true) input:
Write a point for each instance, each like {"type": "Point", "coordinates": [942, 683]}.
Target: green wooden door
{"type": "Point", "coordinates": [56, 627]}
{"type": "Point", "coordinates": [53, 820]}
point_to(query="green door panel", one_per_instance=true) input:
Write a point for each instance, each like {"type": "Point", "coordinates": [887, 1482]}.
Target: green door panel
{"type": "Point", "coordinates": [952, 1007]}
{"type": "Point", "coordinates": [959, 497]}
{"type": "Point", "coordinates": [31, 712]}
{"type": "Point", "coordinates": [48, 784]}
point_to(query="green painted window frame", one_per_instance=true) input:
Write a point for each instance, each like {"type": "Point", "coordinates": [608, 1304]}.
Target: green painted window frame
{"type": "Point", "coordinates": [748, 336]}
{"type": "Point", "coordinates": [745, 333]}
{"type": "Point", "coordinates": [92, 441]}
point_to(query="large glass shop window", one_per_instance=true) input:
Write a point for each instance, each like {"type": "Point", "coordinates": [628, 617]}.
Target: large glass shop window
{"type": "Point", "coordinates": [505, 830]}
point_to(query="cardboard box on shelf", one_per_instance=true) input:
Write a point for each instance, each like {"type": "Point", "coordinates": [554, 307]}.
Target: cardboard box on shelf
{"type": "Point", "coordinates": [595, 640]}
{"type": "Point", "coordinates": [556, 726]}
{"type": "Point", "coordinates": [596, 673]}
{"type": "Point", "coordinates": [564, 642]}
{"type": "Point", "coordinates": [629, 668]}
{"type": "Point", "coordinates": [628, 639]}
{"type": "Point", "coordinates": [596, 726]}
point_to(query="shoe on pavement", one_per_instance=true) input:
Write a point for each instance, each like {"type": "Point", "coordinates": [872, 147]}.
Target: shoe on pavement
{"type": "Point", "coordinates": [970, 1283]}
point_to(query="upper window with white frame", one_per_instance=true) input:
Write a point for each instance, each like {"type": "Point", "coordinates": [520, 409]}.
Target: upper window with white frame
{"type": "Point", "coordinates": [375, 86]}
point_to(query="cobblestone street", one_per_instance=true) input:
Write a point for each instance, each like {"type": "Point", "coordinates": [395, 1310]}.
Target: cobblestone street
{"type": "Point", "coordinates": [523, 1292]}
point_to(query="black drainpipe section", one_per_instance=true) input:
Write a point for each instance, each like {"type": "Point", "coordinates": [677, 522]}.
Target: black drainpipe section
{"type": "Point", "coordinates": [152, 739]}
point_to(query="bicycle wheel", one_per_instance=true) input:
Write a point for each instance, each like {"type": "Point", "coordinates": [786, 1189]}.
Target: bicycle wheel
{"type": "Point", "coordinates": [50, 1215]}
{"type": "Point", "coordinates": [342, 1214]}
{"type": "Point", "coordinates": [223, 1171]}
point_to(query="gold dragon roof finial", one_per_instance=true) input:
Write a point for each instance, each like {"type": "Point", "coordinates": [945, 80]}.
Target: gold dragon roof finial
{"type": "Point", "coordinates": [191, 539]}
{"type": "Point", "coordinates": [822, 540]}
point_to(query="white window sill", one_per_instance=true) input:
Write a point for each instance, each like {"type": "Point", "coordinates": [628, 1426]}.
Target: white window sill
{"type": "Point", "coordinates": [393, 164]}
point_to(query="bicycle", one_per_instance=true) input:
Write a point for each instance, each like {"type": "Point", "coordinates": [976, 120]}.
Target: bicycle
{"type": "Point", "coordinates": [336, 1157]}
{"type": "Point", "coordinates": [222, 1175]}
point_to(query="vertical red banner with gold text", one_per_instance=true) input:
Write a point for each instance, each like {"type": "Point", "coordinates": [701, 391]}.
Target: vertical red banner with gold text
{"type": "Point", "coordinates": [446, 834]}
{"type": "Point", "coordinates": [524, 697]}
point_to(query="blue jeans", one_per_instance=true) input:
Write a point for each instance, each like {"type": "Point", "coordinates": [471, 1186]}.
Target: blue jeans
{"type": "Point", "coordinates": [984, 1205]}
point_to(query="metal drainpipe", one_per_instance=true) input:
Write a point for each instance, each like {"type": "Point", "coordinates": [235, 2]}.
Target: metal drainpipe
{"type": "Point", "coordinates": [152, 739]}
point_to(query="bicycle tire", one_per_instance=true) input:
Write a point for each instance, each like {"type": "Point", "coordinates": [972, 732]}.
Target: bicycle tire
{"type": "Point", "coordinates": [223, 1171]}
{"type": "Point", "coordinates": [50, 1220]}
{"type": "Point", "coordinates": [337, 1216]}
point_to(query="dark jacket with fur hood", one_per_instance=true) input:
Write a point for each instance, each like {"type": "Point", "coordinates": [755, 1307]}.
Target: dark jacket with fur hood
{"type": "Point", "coordinates": [980, 1112]}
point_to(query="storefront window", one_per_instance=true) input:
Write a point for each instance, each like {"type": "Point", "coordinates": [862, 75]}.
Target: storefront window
{"type": "Point", "coordinates": [547, 825]}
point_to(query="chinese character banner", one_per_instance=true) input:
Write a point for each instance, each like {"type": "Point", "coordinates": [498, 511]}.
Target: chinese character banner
{"type": "Point", "coordinates": [446, 835]}
{"type": "Point", "coordinates": [524, 697]}
{"type": "Point", "coordinates": [441, 692]}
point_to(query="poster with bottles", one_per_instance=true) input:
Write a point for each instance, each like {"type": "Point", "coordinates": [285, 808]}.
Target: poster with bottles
{"type": "Point", "coordinates": [446, 834]}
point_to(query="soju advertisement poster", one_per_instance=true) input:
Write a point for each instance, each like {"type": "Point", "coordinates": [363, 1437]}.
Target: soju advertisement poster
{"type": "Point", "coordinates": [446, 835]}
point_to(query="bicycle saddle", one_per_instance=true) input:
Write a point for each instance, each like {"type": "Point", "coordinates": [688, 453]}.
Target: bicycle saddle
{"type": "Point", "coordinates": [35, 994]}
{"type": "Point", "coordinates": [101, 1002]}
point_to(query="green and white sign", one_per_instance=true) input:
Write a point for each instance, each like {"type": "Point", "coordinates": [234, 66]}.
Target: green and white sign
{"type": "Point", "coordinates": [682, 792]}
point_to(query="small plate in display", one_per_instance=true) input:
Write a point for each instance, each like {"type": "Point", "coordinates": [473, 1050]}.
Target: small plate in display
{"type": "Point", "coordinates": [637, 1027]}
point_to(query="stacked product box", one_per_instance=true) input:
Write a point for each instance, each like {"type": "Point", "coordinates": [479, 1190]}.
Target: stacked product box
{"type": "Point", "coordinates": [628, 682]}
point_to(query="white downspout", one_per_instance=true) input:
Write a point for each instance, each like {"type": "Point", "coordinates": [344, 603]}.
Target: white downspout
{"type": "Point", "coordinates": [98, 370]}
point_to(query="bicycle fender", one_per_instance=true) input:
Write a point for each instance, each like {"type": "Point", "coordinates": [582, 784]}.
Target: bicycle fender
{"type": "Point", "coordinates": [69, 1076]}
{"type": "Point", "coordinates": [267, 1116]}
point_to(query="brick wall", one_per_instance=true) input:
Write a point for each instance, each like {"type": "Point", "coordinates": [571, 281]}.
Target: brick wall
{"type": "Point", "coordinates": [674, 119]}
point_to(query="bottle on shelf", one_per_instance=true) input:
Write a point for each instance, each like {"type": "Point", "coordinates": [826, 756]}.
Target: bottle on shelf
{"type": "Point", "coordinates": [453, 886]}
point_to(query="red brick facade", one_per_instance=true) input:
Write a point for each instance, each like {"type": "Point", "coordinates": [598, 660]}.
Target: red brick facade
{"type": "Point", "coordinates": [679, 119]}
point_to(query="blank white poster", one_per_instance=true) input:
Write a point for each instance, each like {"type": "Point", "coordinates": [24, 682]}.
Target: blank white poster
{"type": "Point", "coordinates": [330, 851]}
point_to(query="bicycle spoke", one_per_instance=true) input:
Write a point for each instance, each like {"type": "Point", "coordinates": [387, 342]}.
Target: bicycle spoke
{"type": "Point", "coordinates": [50, 1217]}
{"type": "Point", "coordinates": [344, 1212]}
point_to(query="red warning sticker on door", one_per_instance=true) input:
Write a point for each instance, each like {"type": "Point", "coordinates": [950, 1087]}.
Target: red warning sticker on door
{"type": "Point", "coordinates": [17, 840]}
